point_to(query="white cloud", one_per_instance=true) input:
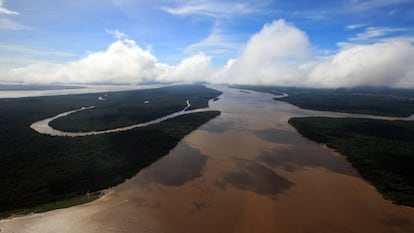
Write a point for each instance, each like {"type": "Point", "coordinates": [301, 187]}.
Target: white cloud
{"type": "Point", "coordinates": [313, 14]}
{"type": "Point", "coordinates": [216, 9]}
{"type": "Point", "coordinates": [376, 32]}
{"type": "Point", "coordinates": [354, 26]}
{"type": "Point", "coordinates": [275, 55]}
{"type": "Point", "coordinates": [280, 54]}
{"type": "Point", "coordinates": [117, 34]}
{"type": "Point", "coordinates": [5, 11]}
{"type": "Point", "coordinates": [123, 62]}
{"type": "Point", "coordinates": [388, 63]}
{"type": "Point", "coordinates": [365, 5]}
{"type": "Point", "coordinates": [6, 23]}
{"type": "Point", "coordinates": [194, 68]}
{"type": "Point", "coordinates": [217, 43]}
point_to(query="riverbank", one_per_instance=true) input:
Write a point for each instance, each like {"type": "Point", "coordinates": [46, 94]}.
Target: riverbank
{"type": "Point", "coordinates": [43, 126]}
{"type": "Point", "coordinates": [38, 169]}
{"type": "Point", "coordinates": [65, 203]}
{"type": "Point", "coordinates": [382, 151]}
{"type": "Point", "coordinates": [245, 171]}
{"type": "Point", "coordinates": [378, 101]}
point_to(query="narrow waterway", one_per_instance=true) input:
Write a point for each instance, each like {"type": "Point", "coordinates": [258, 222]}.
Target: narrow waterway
{"type": "Point", "coordinates": [43, 126]}
{"type": "Point", "coordinates": [247, 170]}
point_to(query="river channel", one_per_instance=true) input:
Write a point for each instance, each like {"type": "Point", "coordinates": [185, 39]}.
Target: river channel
{"type": "Point", "coordinates": [247, 171]}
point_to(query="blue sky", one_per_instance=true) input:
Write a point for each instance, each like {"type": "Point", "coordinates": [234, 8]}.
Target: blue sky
{"type": "Point", "coordinates": [58, 32]}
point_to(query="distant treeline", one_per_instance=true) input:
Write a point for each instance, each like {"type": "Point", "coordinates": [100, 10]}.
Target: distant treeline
{"type": "Point", "coordinates": [362, 100]}
{"type": "Point", "coordinates": [37, 169]}
{"type": "Point", "coordinates": [382, 151]}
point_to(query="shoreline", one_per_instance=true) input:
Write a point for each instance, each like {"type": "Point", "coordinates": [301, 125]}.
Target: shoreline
{"type": "Point", "coordinates": [43, 126]}
{"type": "Point", "coordinates": [99, 194]}
{"type": "Point", "coordinates": [247, 170]}
{"type": "Point", "coordinates": [109, 169]}
{"type": "Point", "coordinates": [367, 150]}
{"type": "Point", "coordinates": [50, 206]}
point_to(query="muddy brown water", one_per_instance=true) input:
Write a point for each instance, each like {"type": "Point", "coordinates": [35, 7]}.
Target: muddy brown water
{"type": "Point", "coordinates": [247, 170]}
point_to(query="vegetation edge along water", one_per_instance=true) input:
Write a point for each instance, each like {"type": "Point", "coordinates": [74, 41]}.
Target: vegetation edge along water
{"type": "Point", "coordinates": [381, 150]}
{"type": "Point", "coordinates": [41, 172]}
{"type": "Point", "coordinates": [379, 101]}
{"type": "Point", "coordinates": [119, 109]}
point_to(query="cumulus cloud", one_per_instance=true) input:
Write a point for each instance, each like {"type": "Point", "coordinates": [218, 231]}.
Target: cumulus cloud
{"type": "Point", "coordinates": [279, 54]}
{"type": "Point", "coordinates": [195, 68]}
{"type": "Point", "coordinates": [275, 55]}
{"type": "Point", "coordinates": [122, 62]}
{"type": "Point", "coordinates": [387, 63]}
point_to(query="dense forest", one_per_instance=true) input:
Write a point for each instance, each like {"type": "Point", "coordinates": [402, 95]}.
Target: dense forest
{"type": "Point", "coordinates": [40, 172]}
{"type": "Point", "coordinates": [362, 100]}
{"type": "Point", "coordinates": [117, 109]}
{"type": "Point", "coordinates": [382, 151]}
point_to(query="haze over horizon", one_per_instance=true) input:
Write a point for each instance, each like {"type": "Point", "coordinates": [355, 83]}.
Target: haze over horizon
{"type": "Point", "coordinates": [295, 43]}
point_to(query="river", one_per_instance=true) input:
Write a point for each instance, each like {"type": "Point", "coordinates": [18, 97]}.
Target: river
{"type": "Point", "coordinates": [43, 126]}
{"type": "Point", "coordinates": [247, 170]}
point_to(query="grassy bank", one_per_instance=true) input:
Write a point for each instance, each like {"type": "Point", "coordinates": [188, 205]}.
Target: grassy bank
{"type": "Point", "coordinates": [38, 169]}
{"type": "Point", "coordinates": [382, 151]}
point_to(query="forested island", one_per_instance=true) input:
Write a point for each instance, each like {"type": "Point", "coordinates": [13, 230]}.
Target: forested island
{"type": "Point", "coordinates": [41, 172]}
